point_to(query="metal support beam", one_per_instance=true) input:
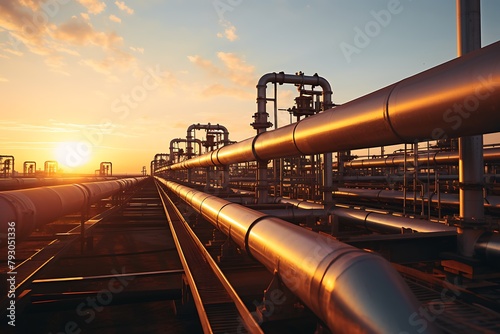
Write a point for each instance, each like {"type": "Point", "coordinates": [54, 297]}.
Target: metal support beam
{"type": "Point", "coordinates": [470, 164]}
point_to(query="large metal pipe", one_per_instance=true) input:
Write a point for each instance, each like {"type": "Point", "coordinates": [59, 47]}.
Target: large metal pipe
{"type": "Point", "coordinates": [489, 202]}
{"type": "Point", "coordinates": [351, 290]}
{"type": "Point", "coordinates": [488, 247]}
{"type": "Point", "coordinates": [418, 108]}
{"type": "Point", "coordinates": [373, 220]}
{"type": "Point", "coordinates": [29, 209]}
{"type": "Point", "coordinates": [387, 223]}
{"type": "Point", "coordinates": [470, 164]}
{"type": "Point", "coordinates": [261, 117]}
{"type": "Point", "coordinates": [261, 124]}
{"type": "Point", "coordinates": [433, 159]}
{"type": "Point", "coordinates": [32, 182]}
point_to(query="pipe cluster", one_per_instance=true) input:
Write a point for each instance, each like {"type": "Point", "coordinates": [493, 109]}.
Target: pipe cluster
{"type": "Point", "coordinates": [32, 208]}
{"type": "Point", "coordinates": [351, 290]}
{"type": "Point", "coordinates": [439, 103]}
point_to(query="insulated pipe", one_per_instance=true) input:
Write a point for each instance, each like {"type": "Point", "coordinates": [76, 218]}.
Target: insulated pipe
{"type": "Point", "coordinates": [470, 164]}
{"type": "Point", "coordinates": [29, 209]}
{"type": "Point", "coordinates": [400, 178]}
{"type": "Point", "coordinates": [436, 158]}
{"type": "Point", "coordinates": [372, 220]}
{"type": "Point", "coordinates": [418, 108]}
{"type": "Point", "coordinates": [489, 202]}
{"type": "Point", "coordinates": [488, 247]}
{"type": "Point", "coordinates": [349, 289]}
{"type": "Point", "coordinates": [32, 182]}
{"type": "Point", "coordinates": [387, 223]}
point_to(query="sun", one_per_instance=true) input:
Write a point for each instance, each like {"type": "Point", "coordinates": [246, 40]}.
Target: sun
{"type": "Point", "coordinates": [73, 154]}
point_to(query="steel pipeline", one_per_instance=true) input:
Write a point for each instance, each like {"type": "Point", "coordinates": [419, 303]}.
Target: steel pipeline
{"type": "Point", "coordinates": [349, 289]}
{"type": "Point", "coordinates": [32, 208]}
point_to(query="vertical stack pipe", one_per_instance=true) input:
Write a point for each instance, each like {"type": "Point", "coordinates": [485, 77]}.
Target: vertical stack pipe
{"type": "Point", "coordinates": [470, 148]}
{"type": "Point", "coordinates": [418, 108]}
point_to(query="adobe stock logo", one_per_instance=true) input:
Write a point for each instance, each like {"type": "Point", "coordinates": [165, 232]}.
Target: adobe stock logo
{"type": "Point", "coordinates": [363, 37]}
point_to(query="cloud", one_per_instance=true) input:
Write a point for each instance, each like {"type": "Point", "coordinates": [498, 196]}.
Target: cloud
{"type": "Point", "coordinates": [122, 6]}
{"type": "Point", "coordinates": [80, 32]}
{"type": "Point", "coordinates": [28, 24]}
{"type": "Point", "coordinates": [206, 65]}
{"type": "Point", "coordinates": [4, 79]}
{"type": "Point", "coordinates": [229, 32]}
{"type": "Point", "coordinates": [14, 52]}
{"type": "Point", "coordinates": [238, 70]}
{"type": "Point", "coordinates": [239, 75]}
{"type": "Point", "coordinates": [85, 16]}
{"type": "Point", "coordinates": [115, 18]}
{"type": "Point", "coordinates": [33, 4]}
{"type": "Point", "coordinates": [93, 6]}
{"type": "Point", "coordinates": [139, 50]}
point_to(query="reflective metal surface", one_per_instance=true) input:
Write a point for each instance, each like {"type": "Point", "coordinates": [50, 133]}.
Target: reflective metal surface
{"type": "Point", "coordinates": [488, 247]}
{"type": "Point", "coordinates": [32, 208]}
{"type": "Point", "coordinates": [374, 221]}
{"type": "Point", "coordinates": [351, 290]}
{"type": "Point", "coordinates": [435, 158]}
{"type": "Point", "coordinates": [492, 202]}
{"type": "Point", "coordinates": [418, 108]}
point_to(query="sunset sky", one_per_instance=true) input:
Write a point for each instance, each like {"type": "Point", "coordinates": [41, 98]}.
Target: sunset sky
{"type": "Point", "coordinates": [85, 81]}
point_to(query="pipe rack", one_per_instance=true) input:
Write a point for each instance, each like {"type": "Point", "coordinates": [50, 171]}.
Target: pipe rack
{"type": "Point", "coordinates": [418, 108]}
{"type": "Point", "coordinates": [32, 208]}
{"type": "Point", "coordinates": [351, 290]}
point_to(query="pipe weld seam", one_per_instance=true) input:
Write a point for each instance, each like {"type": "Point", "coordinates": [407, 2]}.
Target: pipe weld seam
{"type": "Point", "coordinates": [387, 116]}
{"type": "Point", "coordinates": [254, 151]}
{"type": "Point", "coordinates": [293, 138]}
{"type": "Point", "coordinates": [217, 217]}
{"type": "Point", "coordinates": [201, 203]}
{"type": "Point", "coordinates": [247, 235]}
{"type": "Point", "coordinates": [217, 158]}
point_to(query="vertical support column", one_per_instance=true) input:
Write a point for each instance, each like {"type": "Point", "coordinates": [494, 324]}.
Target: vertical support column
{"type": "Point", "coordinates": [415, 176]}
{"type": "Point", "coordinates": [470, 148]}
{"type": "Point", "coordinates": [261, 124]}
{"type": "Point", "coordinates": [262, 183]}
{"type": "Point", "coordinates": [327, 180]}
{"type": "Point", "coordinates": [225, 179]}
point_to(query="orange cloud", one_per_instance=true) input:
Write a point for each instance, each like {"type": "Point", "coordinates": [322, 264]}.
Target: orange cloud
{"type": "Point", "coordinates": [93, 6]}
{"type": "Point", "coordinates": [78, 31]}
{"type": "Point", "coordinates": [229, 32]}
{"type": "Point", "coordinates": [28, 24]}
{"type": "Point", "coordinates": [33, 4]}
{"type": "Point", "coordinates": [122, 6]}
{"type": "Point", "coordinates": [115, 18]}
{"type": "Point", "coordinates": [239, 75]}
